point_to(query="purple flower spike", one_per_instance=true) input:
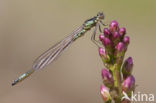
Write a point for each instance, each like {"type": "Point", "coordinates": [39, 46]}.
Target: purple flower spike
{"type": "Point", "coordinates": [106, 32]}
{"type": "Point", "coordinates": [122, 32]}
{"type": "Point", "coordinates": [120, 47]}
{"type": "Point", "coordinates": [128, 84]}
{"type": "Point", "coordinates": [105, 94]}
{"type": "Point", "coordinates": [117, 74]}
{"type": "Point", "coordinates": [114, 26]}
{"type": "Point", "coordinates": [126, 40]}
{"type": "Point", "coordinates": [127, 67]}
{"type": "Point", "coordinates": [107, 77]}
{"type": "Point", "coordinates": [103, 55]}
{"type": "Point", "coordinates": [101, 37]}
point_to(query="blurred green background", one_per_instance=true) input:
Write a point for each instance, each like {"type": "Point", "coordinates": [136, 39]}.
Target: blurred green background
{"type": "Point", "coordinates": [29, 27]}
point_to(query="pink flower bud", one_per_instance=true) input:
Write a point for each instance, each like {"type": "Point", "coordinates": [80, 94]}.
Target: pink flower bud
{"type": "Point", "coordinates": [107, 42]}
{"type": "Point", "coordinates": [114, 26]}
{"type": "Point", "coordinates": [128, 84]}
{"type": "Point", "coordinates": [103, 55]}
{"type": "Point", "coordinates": [119, 52]}
{"type": "Point", "coordinates": [107, 77]}
{"type": "Point", "coordinates": [105, 94]}
{"type": "Point", "coordinates": [101, 37]}
{"type": "Point", "coordinates": [122, 32]}
{"type": "Point", "coordinates": [106, 31]}
{"type": "Point", "coordinates": [120, 47]}
{"type": "Point", "coordinates": [126, 40]}
{"type": "Point", "coordinates": [127, 67]}
{"type": "Point", "coordinates": [116, 37]}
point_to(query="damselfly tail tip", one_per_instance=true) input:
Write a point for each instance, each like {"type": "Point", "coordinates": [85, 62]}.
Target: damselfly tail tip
{"type": "Point", "coordinates": [22, 77]}
{"type": "Point", "coordinates": [14, 83]}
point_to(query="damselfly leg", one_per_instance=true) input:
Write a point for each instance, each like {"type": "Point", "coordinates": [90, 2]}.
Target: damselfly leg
{"type": "Point", "coordinates": [93, 37]}
{"type": "Point", "coordinates": [103, 23]}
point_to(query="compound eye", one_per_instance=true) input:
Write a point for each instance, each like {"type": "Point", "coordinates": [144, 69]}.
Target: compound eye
{"type": "Point", "coordinates": [100, 15]}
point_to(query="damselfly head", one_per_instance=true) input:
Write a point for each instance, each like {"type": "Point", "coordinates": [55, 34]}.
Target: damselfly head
{"type": "Point", "coordinates": [100, 15]}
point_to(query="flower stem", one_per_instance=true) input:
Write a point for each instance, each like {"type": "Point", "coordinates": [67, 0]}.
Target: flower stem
{"type": "Point", "coordinates": [117, 78]}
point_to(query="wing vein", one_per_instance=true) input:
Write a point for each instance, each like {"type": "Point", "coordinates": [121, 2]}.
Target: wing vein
{"type": "Point", "coordinates": [51, 54]}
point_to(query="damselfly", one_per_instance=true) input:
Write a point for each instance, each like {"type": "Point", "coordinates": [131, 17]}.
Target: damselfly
{"type": "Point", "coordinates": [51, 54]}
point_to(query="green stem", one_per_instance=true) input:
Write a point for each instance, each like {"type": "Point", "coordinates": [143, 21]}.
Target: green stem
{"type": "Point", "coordinates": [117, 81]}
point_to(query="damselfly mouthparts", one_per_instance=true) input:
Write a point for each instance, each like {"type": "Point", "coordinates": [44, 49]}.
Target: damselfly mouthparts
{"type": "Point", "coordinates": [51, 54]}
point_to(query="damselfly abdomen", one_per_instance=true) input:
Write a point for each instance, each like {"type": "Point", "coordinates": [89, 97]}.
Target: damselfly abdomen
{"type": "Point", "coordinates": [51, 54]}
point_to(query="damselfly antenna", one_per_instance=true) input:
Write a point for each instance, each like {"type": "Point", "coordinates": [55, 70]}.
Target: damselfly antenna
{"type": "Point", "coordinates": [51, 54]}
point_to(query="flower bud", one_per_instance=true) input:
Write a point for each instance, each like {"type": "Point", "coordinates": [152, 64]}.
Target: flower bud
{"type": "Point", "coordinates": [114, 26]}
{"type": "Point", "coordinates": [126, 40]}
{"type": "Point", "coordinates": [103, 55]}
{"type": "Point", "coordinates": [120, 47]}
{"type": "Point", "coordinates": [107, 77]}
{"type": "Point", "coordinates": [101, 37]}
{"type": "Point", "coordinates": [128, 84]}
{"type": "Point", "coordinates": [107, 42]}
{"type": "Point", "coordinates": [106, 32]}
{"type": "Point", "coordinates": [119, 52]}
{"type": "Point", "coordinates": [122, 32]}
{"type": "Point", "coordinates": [127, 67]}
{"type": "Point", "coordinates": [105, 94]}
{"type": "Point", "coordinates": [116, 37]}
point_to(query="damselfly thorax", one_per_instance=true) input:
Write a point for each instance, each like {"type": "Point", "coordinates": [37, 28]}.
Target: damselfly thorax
{"type": "Point", "coordinates": [52, 53]}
